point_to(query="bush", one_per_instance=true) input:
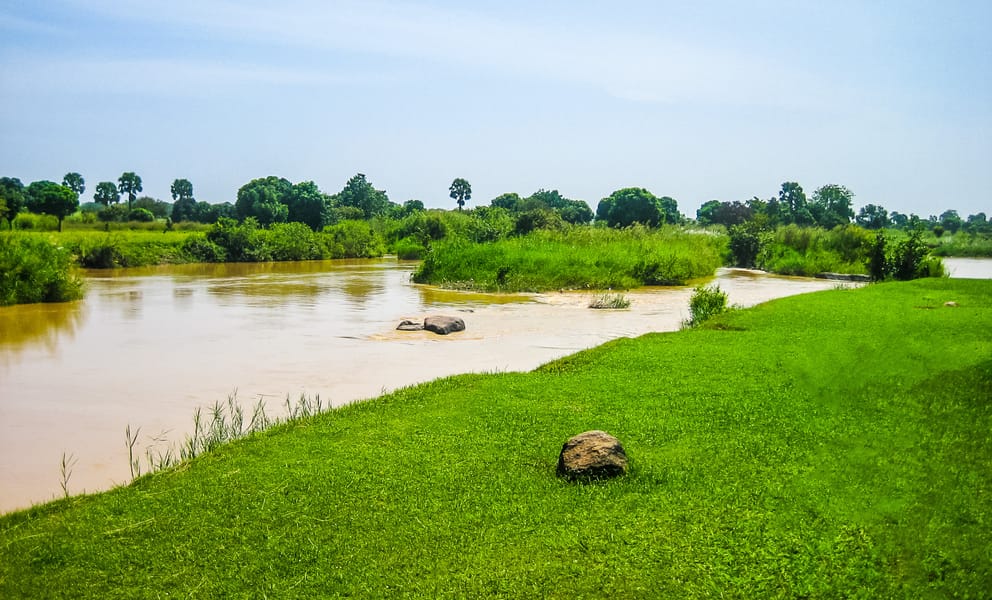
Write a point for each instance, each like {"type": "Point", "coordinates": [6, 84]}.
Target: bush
{"type": "Point", "coordinates": [409, 249]}
{"type": "Point", "coordinates": [200, 249]}
{"type": "Point", "coordinates": [295, 241]}
{"type": "Point", "coordinates": [745, 244]}
{"type": "Point", "coordinates": [706, 302]}
{"type": "Point", "coordinates": [141, 215]}
{"type": "Point", "coordinates": [242, 242]}
{"type": "Point", "coordinates": [33, 269]}
{"type": "Point", "coordinates": [354, 239]}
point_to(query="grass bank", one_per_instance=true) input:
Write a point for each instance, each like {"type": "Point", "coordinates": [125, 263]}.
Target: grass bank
{"type": "Point", "coordinates": [827, 445]}
{"type": "Point", "coordinates": [579, 257]}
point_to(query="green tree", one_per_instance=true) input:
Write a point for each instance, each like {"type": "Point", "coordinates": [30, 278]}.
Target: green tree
{"type": "Point", "coordinates": [106, 193]}
{"type": "Point", "coordinates": [412, 206]}
{"type": "Point", "coordinates": [75, 182]}
{"type": "Point", "coordinates": [309, 206]}
{"type": "Point", "coordinates": [950, 220]}
{"type": "Point", "coordinates": [460, 191]}
{"type": "Point", "coordinates": [873, 217]}
{"type": "Point", "coordinates": [794, 204]}
{"type": "Point", "coordinates": [832, 206]}
{"type": "Point", "coordinates": [359, 193]}
{"type": "Point", "coordinates": [705, 213]}
{"type": "Point", "coordinates": [130, 184]}
{"type": "Point", "coordinates": [265, 199]}
{"type": "Point", "coordinates": [183, 202]}
{"type": "Point", "coordinates": [627, 206]}
{"type": "Point", "coordinates": [50, 198]}
{"type": "Point", "coordinates": [158, 208]}
{"type": "Point", "coordinates": [510, 202]}
{"type": "Point", "coordinates": [12, 199]}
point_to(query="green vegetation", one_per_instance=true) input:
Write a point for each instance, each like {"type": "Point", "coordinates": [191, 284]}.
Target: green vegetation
{"type": "Point", "coordinates": [610, 301]}
{"type": "Point", "coordinates": [795, 250]}
{"type": "Point", "coordinates": [826, 445]}
{"type": "Point", "coordinates": [706, 302]}
{"type": "Point", "coordinates": [580, 257]}
{"type": "Point", "coordinates": [34, 269]}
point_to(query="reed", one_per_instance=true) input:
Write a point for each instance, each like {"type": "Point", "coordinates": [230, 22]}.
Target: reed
{"type": "Point", "coordinates": [610, 301]}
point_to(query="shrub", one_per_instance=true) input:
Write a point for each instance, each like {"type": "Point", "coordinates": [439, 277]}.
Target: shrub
{"type": "Point", "coordinates": [294, 241]}
{"type": "Point", "coordinates": [745, 244]}
{"type": "Point", "coordinates": [706, 302]}
{"type": "Point", "coordinates": [200, 249]}
{"type": "Point", "coordinates": [141, 215]}
{"type": "Point", "coordinates": [33, 269]}
{"type": "Point", "coordinates": [354, 239]}
{"type": "Point", "coordinates": [409, 249]}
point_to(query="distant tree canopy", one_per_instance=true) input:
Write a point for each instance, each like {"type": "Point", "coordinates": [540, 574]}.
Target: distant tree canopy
{"type": "Point", "coordinates": [544, 209]}
{"type": "Point", "coordinates": [872, 217]}
{"type": "Point", "coordinates": [12, 199]}
{"type": "Point", "coordinates": [129, 183]}
{"type": "Point", "coordinates": [50, 198]}
{"type": "Point", "coordinates": [627, 206]}
{"type": "Point", "coordinates": [727, 214]}
{"type": "Point", "coordinates": [264, 199]}
{"type": "Point", "coordinates": [359, 193]}
{"type": "Point", "coordinates": [460, 191]}
{"type": "Point", "coordinates": [832, 206]}
{"type": "Point", "coordinates": [75, 182]}
{"type": "Point", "coordinates": [106, 193]}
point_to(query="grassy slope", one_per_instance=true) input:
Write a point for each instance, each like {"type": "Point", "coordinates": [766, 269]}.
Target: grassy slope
{"type": "Point", "coordinates": [829, 445]}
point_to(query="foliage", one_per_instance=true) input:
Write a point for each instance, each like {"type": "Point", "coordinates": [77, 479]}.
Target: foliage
{"type": "Point", "coordinates": [727, 214]}
{"type": "Point", "coordinates": [579, 257]}
{"type": "Point", "coordinates": [359, 193]}
{"type": "Point", "coordinates": [628, 206]}
{"type": "Point", "coordinates": [872, 217]}
{"type": "Point", "coordinates": [354, 239]}
{"type": "Point", "coordinates": [114, 213]}
{"type": "Point", "coordinates": [309, 206]}
{"type": "Point", "coordinates": [35, 269]}
{"type": "Point", "coordinates": [794, 250]}
{"type": "Point", "coordinates": [706, 302]}
{"type": "Point", "coordinates": [12, 199]}
{"type": "Point", "coordinates": [745, 243]}
{"type": "Point", "coordinates": [965, 244]}
{"type": "Point", "coordinates": [831, 206]}
{"type": "Point", "coordinates": [264, 200]}
{"type": "Point", "coordinates": [460, 191]}
{"type": "Point", "coordinates": [241, 242]}
{"type": "Point", "coordinates": [50, 198]}
{"type": "Point", "coordinates": [794, 206]}
{"type": "Point", "coordinates": [129, 183]}
{"type": "Point", "coordinates": [75, 182]}
{"type": "Point", "coordinates": [760, 468]}
{"type": "Point", "coordinates": [295, 241]}
{"type": "Point", "coordinates": [911, 258]}
{"type": "Point", "coordinates": [141, 215]}
{"type": "Point", "coordinates": [106, 193]}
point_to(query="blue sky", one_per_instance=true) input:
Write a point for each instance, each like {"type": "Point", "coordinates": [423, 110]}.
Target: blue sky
{"type": "Point", "coordinates": [698, 101]}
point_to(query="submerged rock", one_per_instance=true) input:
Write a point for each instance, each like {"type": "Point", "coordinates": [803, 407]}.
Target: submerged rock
{"type": "Point", "coordinates": [410, 326]}
{"type": "Point", "coordinates": [444, 325]}
{"type": "Point", "coordinates": [592, 455]}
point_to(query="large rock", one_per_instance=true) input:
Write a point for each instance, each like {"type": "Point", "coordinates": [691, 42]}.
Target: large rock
{"type": "Point", "coordinates": [592, 455]}
{"type": "Point", "coordinates": [444, 325]}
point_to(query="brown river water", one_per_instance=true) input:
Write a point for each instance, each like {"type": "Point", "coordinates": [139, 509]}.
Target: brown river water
{"type": "Point", "coordinates": [146, 347]}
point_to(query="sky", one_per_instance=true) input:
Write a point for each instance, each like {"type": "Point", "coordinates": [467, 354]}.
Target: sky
{"type": "Point", "coordinates": [708, 100]}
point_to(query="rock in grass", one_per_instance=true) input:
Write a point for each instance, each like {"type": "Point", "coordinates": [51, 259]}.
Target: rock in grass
{"type": "Point", "coordinates": [592, 455]}
{"type": "Point", "coordinates": [444, 325]}
{"type": "Point", "coordinates": [410, 326]}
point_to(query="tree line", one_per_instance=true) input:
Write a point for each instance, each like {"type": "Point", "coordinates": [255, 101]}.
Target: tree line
{"type": "Point", "coordinates": [272, 199]}
{"type": "Point", "coordinates": [831, 205]}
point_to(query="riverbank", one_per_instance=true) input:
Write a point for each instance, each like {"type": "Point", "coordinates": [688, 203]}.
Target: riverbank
{"type": "Point", "coordinates": [825, 444]}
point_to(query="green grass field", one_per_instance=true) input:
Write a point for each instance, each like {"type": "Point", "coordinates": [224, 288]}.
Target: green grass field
{"type": "Point", "coordinates": [832, 445]}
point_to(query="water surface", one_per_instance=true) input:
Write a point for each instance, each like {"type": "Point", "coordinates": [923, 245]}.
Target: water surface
{"type": "Point", "coordinates": [146, 347]}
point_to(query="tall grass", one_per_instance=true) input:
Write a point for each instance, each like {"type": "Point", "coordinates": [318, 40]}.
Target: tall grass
{"type": "Point", "coordinates": [794, 250]}
{"type": "Point", "coordinates": [964, 244]}
{"type": "Point", "coordinates": [577, 258]}
{"type": "Point", "coordinates": [35, 269]}
{"type": "Point", "coordinates": [221, 423]}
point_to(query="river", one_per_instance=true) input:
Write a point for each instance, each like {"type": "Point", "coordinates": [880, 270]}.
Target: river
{"type": "Point", "coordinates": [146, 347]}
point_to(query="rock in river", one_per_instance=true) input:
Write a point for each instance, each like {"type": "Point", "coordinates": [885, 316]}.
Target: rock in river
{"type": "Point", "coordinates": [592, 455]}
{"type": "Point", "coordinates": [444, 325]}
{"type": "Point", "coordinates": [410, 326]}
